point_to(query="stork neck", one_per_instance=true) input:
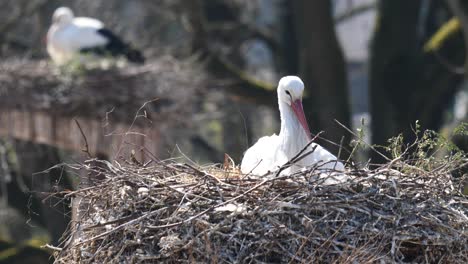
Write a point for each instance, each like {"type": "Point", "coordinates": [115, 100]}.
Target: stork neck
{"type": "Point", "coordinates": [292, 133]}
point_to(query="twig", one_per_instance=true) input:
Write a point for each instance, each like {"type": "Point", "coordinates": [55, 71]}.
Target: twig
{"type": "Point", "coordinates": [52, 247]}
{"type": "Point", "coordinates": [86, 146]}
{"type": "Point", "coordinates": [370, 146]}
{"type": "Point", "coordinates": [120, 226]}
{"type": "Point", "coordinates": [352, 12]}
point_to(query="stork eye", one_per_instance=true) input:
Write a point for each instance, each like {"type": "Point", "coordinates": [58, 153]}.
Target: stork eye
{"type": "Point", "coordinates": [288, 93]}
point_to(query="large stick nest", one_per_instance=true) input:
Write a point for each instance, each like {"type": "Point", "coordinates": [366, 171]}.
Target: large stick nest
{"type": "Point", "coordinates": [166, 211]}
{"type": "Point", "coordinates": [95, 92]}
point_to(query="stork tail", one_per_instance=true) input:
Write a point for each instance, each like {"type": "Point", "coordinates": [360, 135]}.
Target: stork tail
{"type": "Point", "coordinates": [116, 47]}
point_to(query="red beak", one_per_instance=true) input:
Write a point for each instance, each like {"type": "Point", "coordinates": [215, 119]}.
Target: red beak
{"type": "Point", "coordinates": [299, 111]}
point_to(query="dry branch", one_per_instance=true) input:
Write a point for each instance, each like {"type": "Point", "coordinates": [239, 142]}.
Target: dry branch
{"type": "Point", "coordinates": [354, 11]}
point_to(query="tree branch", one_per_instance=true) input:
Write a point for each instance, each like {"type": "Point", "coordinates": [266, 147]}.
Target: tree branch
{"type": "Point", "coordinates": [247, 86]}
{"type": "Point", "coordinates": [248, 30]}
{"type": "Point", "coordinates": [352, 12]}
{"type": "Point", "coordinates": [447, 30]}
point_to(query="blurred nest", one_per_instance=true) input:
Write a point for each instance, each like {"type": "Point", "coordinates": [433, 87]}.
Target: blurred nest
{"type": "Point", "coordinates": [94, 92]}
{"type": "Point", "coordinates": [166, 211]}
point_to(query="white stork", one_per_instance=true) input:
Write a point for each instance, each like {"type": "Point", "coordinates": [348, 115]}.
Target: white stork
{"type": "Point", "coordinates": [271, 152]}
{"type": "Point", "coordinates": [69, 36]}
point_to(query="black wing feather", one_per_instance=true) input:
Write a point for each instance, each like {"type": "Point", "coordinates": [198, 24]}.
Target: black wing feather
{"type": "Point", "coordinates": [115, 47]}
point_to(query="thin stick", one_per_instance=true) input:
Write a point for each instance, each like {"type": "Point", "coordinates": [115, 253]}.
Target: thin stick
{"type": "Point", "coordinates": [86, 147]}
{"type": "Point", "coordinates": [367, 144]}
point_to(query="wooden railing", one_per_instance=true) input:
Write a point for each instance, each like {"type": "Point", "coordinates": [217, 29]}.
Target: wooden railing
{"type": "Point", "coordinates": [79, 134]}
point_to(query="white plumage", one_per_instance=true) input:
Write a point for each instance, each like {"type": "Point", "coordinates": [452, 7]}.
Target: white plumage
{"type": "Point", "coordinates": [271, 152]}
{"type": "Point", "coordinates": [69, 36]}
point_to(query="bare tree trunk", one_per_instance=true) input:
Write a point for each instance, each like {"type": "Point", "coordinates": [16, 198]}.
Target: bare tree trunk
{"type": "Point", "coordinates": [391, 62]}
{"type": "Point", "coordinates": [322, 67]}
{"type": "Point", "coordinates": [407, 84]}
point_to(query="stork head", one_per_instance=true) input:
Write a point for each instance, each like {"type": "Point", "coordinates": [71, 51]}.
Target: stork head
{"type": "Point", "coordinates": [290, 90]}
{"type": "Point", "coordinates": [62, 15]}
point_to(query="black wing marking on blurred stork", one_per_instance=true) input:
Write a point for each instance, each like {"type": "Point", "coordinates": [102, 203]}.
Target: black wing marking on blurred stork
{"type": "Point", "coordinates": [115, 47]}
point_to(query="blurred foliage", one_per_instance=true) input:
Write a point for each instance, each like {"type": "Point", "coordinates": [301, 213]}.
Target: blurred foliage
{"type": "Point", "coordinates": [29, 252]}
{"type": "Point", "coordinates": [429, 150]}
{"type": "Point", "coordinates": [461, 129]}
{"type": "Point", "coordinates": [28, 221]}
